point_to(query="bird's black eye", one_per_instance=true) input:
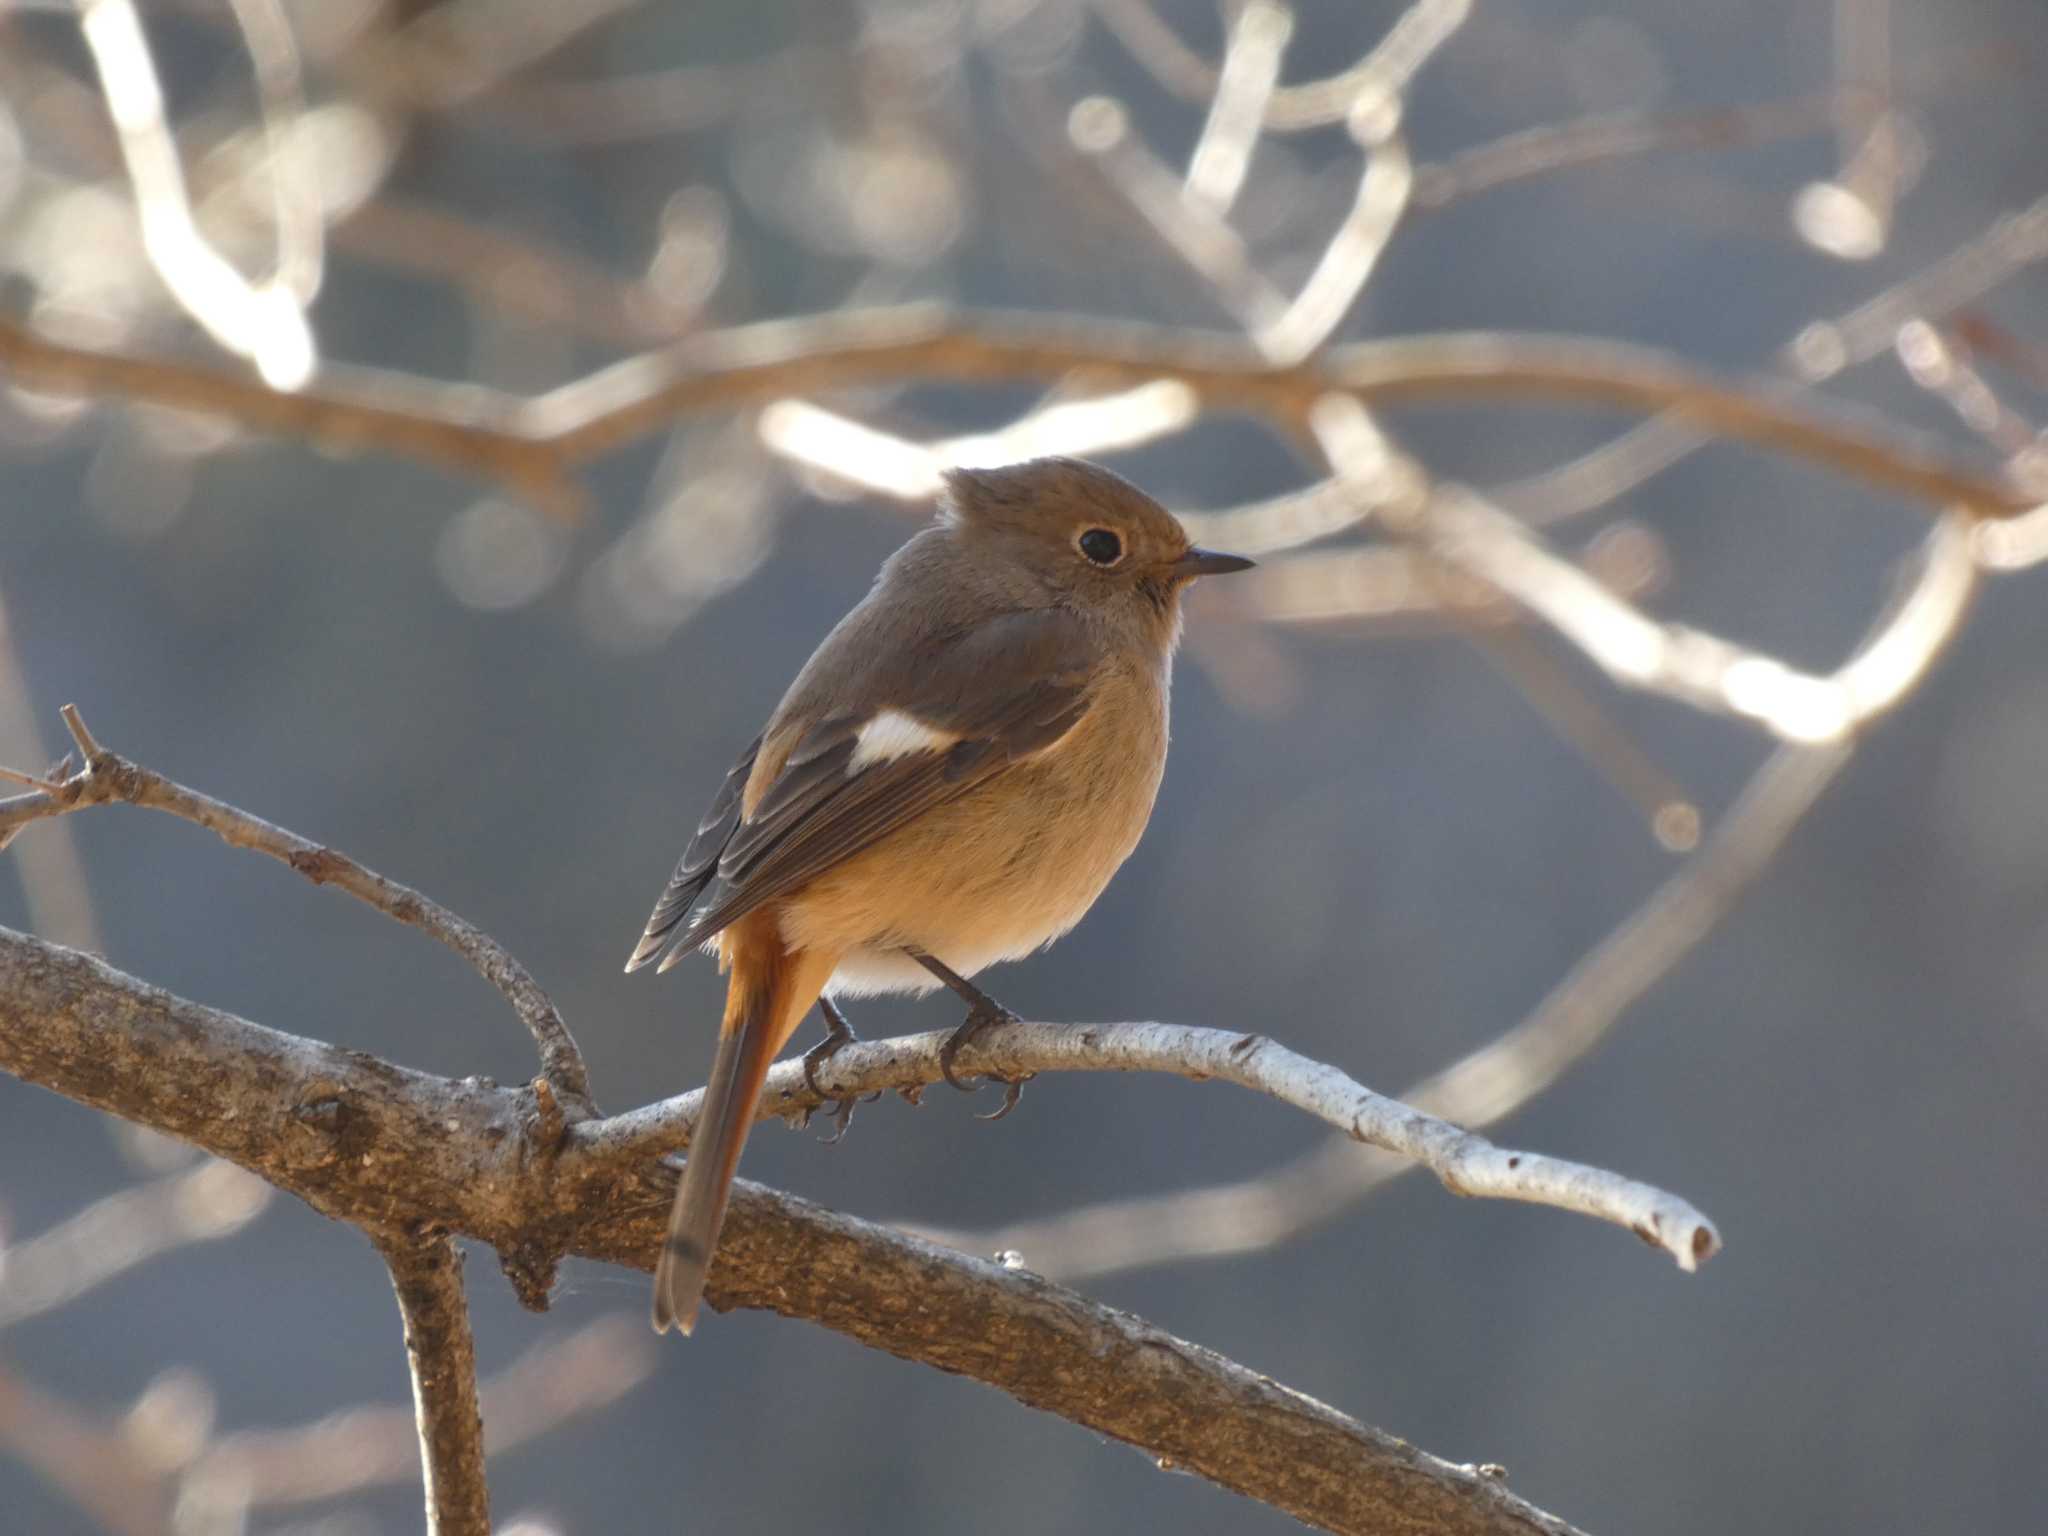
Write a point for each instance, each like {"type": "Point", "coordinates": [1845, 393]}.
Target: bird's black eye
{"type": "Point", "coordinates": [1101, 546]}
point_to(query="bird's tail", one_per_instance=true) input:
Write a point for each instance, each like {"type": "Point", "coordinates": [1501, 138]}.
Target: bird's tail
{"type": "Point", "coordinates": [768, 994]}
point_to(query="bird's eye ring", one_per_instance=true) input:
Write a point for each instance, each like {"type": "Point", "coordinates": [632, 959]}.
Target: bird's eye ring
{"type": "Point", "coordinates": [1100, 546]}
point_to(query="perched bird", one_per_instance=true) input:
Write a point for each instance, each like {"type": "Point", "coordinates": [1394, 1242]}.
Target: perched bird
{"type": "Point", "coordinates": [951, 781]}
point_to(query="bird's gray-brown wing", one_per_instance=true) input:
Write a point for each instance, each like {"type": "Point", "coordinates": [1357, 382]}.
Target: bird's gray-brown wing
{"type": "Point", "coordinates": [987, 698]}
{"type": "Point", "coordinates": [699, 862]}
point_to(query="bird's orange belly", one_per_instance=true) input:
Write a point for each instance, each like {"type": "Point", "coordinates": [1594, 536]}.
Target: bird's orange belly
{"type": "Point", "coordinates": [994, 875]}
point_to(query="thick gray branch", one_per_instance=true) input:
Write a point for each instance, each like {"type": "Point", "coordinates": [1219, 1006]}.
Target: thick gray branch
{"type": "Point", "coordinates": [387, 1148]}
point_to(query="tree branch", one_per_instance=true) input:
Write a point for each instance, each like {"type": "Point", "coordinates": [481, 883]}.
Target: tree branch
{"type": "Point", "coordinates": [530, 445]}
{"type": "Point", "coordinates": [382, 1146]}
{"type": "Point", "coordinates": [426, 1272]}
{"type": "Point", "coordinates": [107, 778]}
{"type": "Point", "coordinates": [1466, 1164]}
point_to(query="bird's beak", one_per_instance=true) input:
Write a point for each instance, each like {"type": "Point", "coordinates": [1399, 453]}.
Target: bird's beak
{"type": "Point", "coordinates": [1207, 562]}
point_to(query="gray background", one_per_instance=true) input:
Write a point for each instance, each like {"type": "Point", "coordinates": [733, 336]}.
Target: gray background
{"type": "Point", "coordinates": [1384, 870]}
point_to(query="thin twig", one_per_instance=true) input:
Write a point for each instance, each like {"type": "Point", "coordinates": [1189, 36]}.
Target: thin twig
{"type": "Point", "coordinates": [301, 230]}
{"type": "Point", "coordinates": [1466, 1164]}
{"type": "Point", "coordinates": [915, 471]}
{"type": "Point", "coordinates": [1349, 257]}
{"type": "Point", "coordinates": [426, 1273]}
{"type": "Point", "coordinates": [109, 779]}
{"type": "Point", "coordinates": [1382, 74]}
{"type": "Point", "coordinates": [1592, 140]}
{"type": "Point", "coordinates": [53, 877]}
{"type": "Point", "coordinates": [1637, 651]}
{"type": "Point", "coordinates": [1400, 588]}
{"type": "Point", "coordinates": [448, 426]}
{"type": "Point", "coordinates": [1579, 720]}
{"type": "Point", "coordinates": [262, 322]}
{"type": "Point", "coordinates": [1222, 155]}
{"type": "Point", "coordinates": [1100, 133]}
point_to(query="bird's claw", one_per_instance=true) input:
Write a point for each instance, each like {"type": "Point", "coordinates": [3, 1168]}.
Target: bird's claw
{"type": "Point", "coordinates": [821, 1053]}
{"type": "Point", "coordinates": [1013, 1090]}
{"type": "Point", "coordinates": [838, 1036]}
{"type": "Point", "coordinates": [980, 1020]}
{"type": "Point", "coordinates": [841, 1111]}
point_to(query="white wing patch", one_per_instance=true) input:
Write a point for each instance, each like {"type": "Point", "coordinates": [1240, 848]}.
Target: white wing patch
{"type": "Point", "coordinates": [893, 734]}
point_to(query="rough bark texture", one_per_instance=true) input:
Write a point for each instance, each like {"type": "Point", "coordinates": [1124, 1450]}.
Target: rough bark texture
{"type": "Point", "coordinates": [440, 1350]}
{"type": "Point", "coordinates": [394, 1150]}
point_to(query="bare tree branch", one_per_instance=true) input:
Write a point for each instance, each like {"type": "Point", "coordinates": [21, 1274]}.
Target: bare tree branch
{"type": "Point", "coordinates": [1703, 670]}
{"type": "Point", "coordinates": [531, 444]}
{"type": "Point", "coordinates": [52, 873]}
{"type": "Point", "coordinates": [262, 322]}
{"type": "Point", "coordinates": [106, 779]}
{"type": "Point", "coordinates": [426, 1272]}
{"type": "Point", "coordinates": [1382, 74]}
{"type": "Point", "coordinates": [1466, 1164]}
{"type": "Point", "coordinates": [383, 1146]}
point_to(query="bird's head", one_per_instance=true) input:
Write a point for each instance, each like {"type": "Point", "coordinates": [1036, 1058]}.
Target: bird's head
{"type": "Point", "coordinates": [1090, 538]}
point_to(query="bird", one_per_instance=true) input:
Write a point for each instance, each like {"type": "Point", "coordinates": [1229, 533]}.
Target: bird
{"type": "Point", "coordinates": [950, 781]}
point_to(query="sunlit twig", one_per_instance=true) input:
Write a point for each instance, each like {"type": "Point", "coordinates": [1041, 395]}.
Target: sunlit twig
{"type": "Point", "coordinates": [1347, 262]}
{"type": "Point", "coordinates": [1850, 216]}
{"type": "Point", "coordinates": [1673, 659]}
{"type": "Point", "coordinates": [1099, 129]}
{"type": "Point", "coordinates": [910, 471]}
{"type": "Point", "coordinates": [281, 98]}
{"type": "Point", "coordinates": [1384, 584]}
{"type": "Point", "coordinates": [1381, 75]}
{"type": "Point", "coordinates": [1251, 67]}
{"type": "Point", "coordinates": [262, 322]}
{"type": "Point", "coordinates": [1944, 370]}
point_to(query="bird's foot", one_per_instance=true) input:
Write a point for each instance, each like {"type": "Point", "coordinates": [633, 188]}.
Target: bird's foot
{"type": "Point", "coordinates": [838, 1036]}
{"type": "Point", "coordinates": [986, 1015]}
{"type": "Point", "coordinates": [983, 1013]}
